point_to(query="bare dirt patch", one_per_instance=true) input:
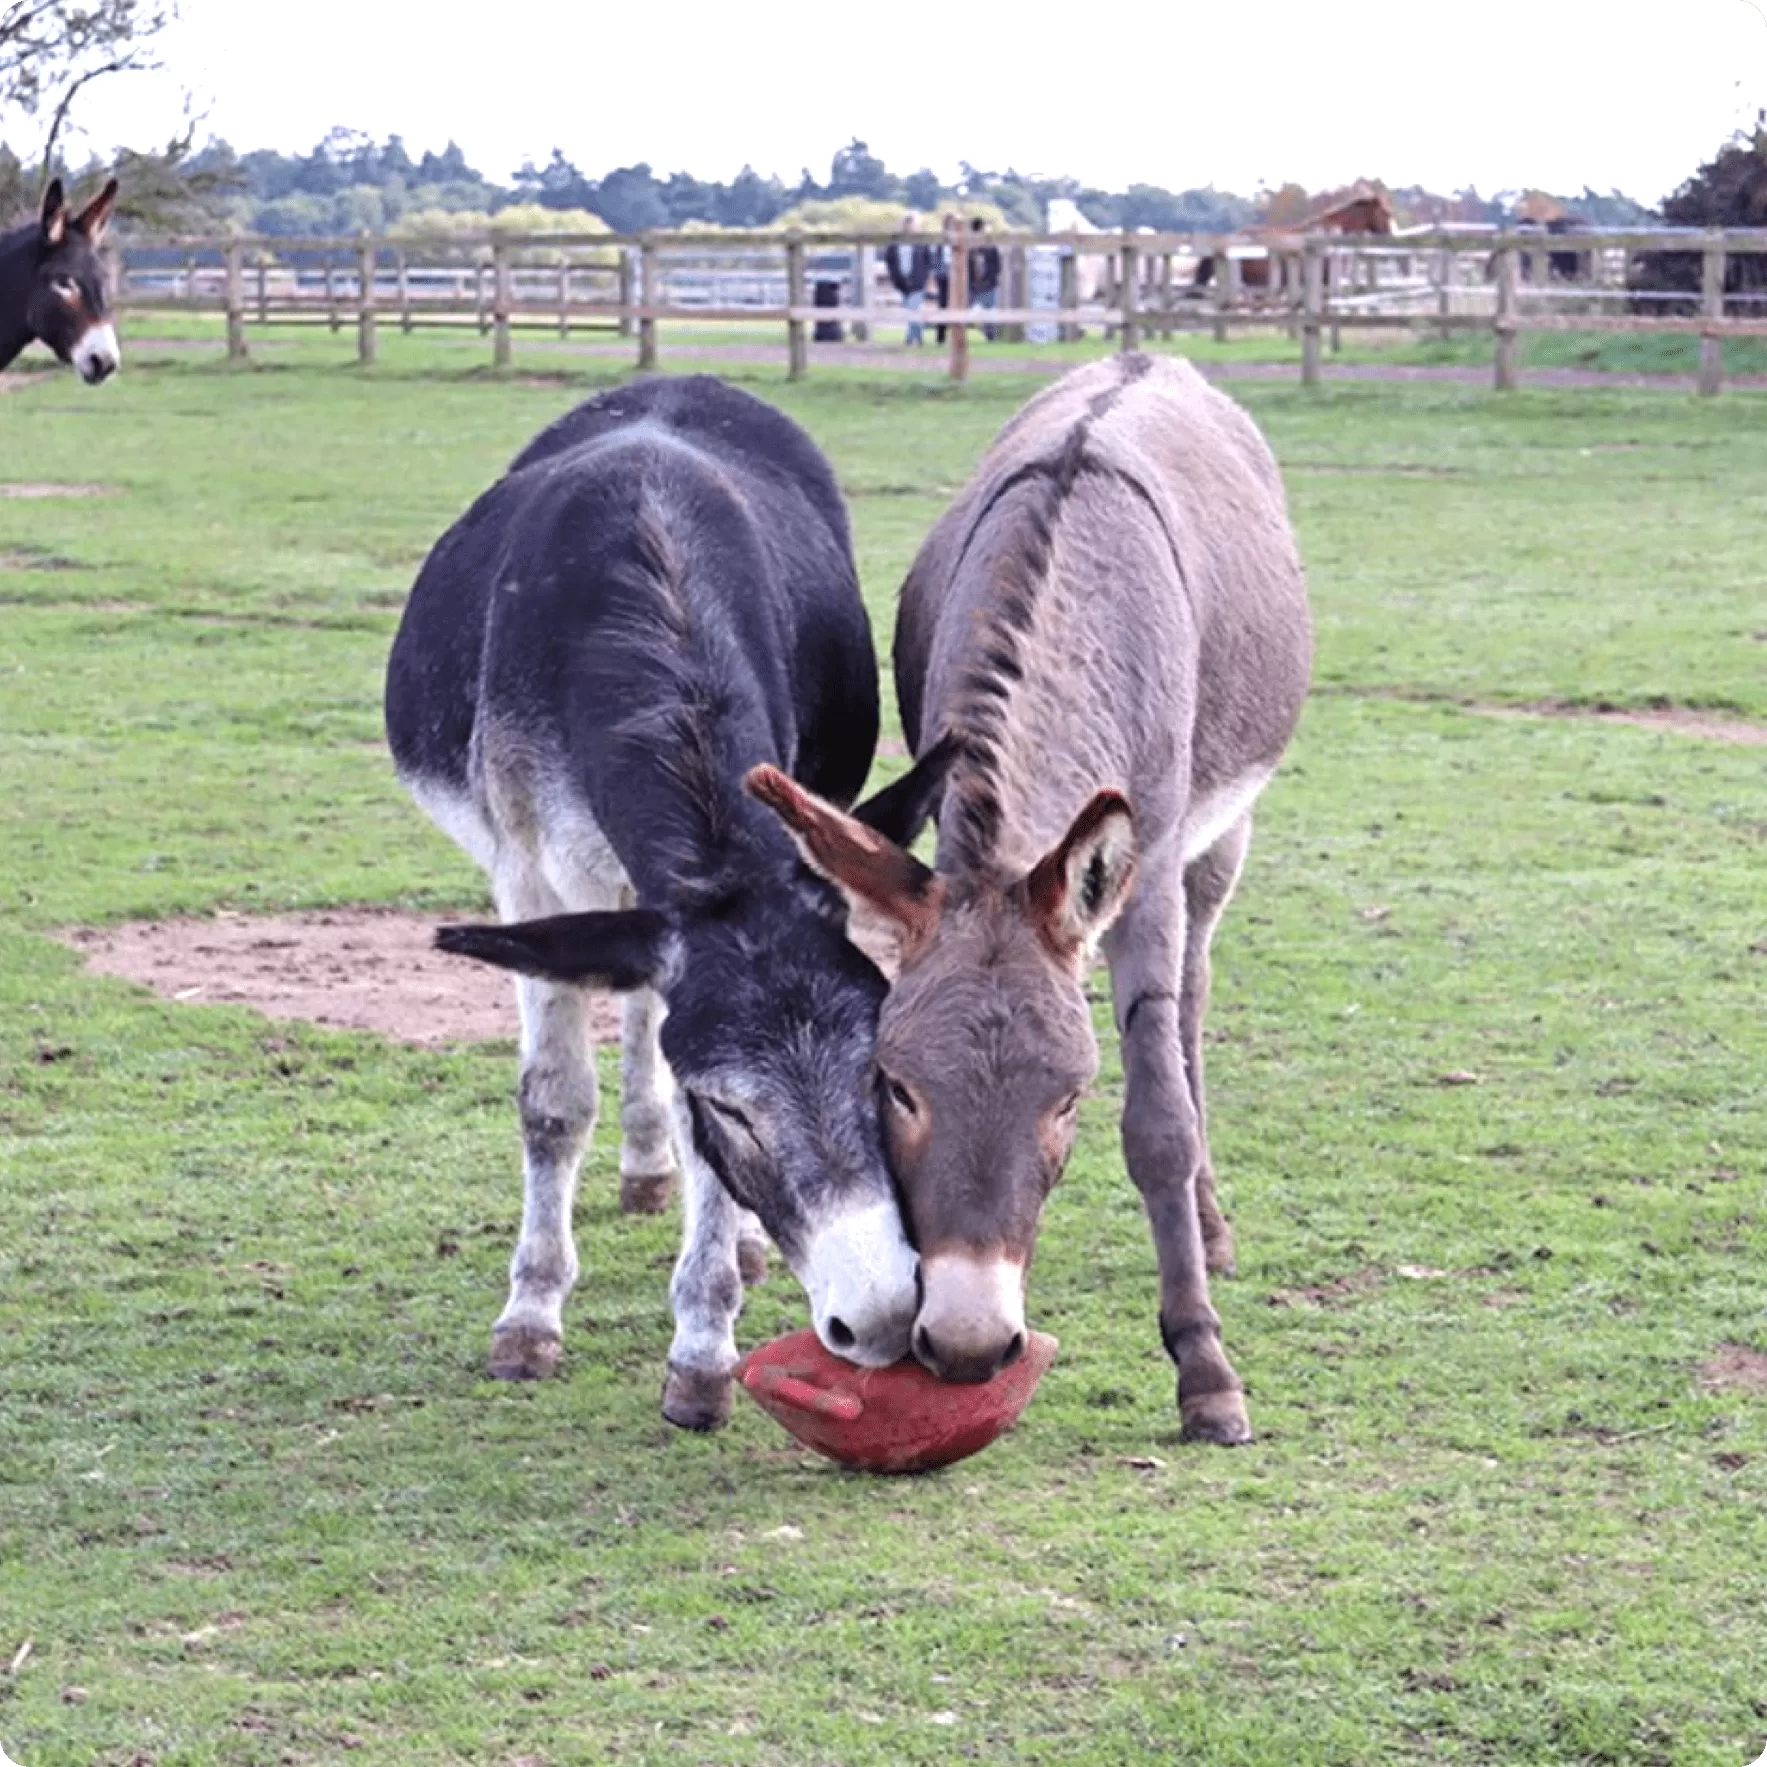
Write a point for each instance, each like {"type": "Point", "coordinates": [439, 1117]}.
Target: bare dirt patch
{"type": "Point", "coordinates": [360, 969]}
{"type": "Point", "coordinates": [1677, 720]}
{"type": "Point", "coordinates": [41, 488]}
{"type": "Point", "coordinates": [1330, 1294]}
{"type": "Point", "coordinates": [1735, 1367]}
{"type": "Point", "coordinates": [16, 380]}
{"type": "Point", "coordinates": [24, 559]}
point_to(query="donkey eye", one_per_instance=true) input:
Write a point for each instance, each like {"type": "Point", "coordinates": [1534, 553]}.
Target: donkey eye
{"type": "Point", "coordinates": [66, 287]}
{"type": "Point", "coordinates": [899, 1095]}
{"type": "Point", "coordinates": [1068, 1105]}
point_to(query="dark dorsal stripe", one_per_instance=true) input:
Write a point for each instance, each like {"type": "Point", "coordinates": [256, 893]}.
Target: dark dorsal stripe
{"type": "Point", "coordinates": [979, 712]}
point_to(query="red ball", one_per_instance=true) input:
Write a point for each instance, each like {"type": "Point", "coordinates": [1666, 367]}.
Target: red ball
{"type": "Point", "coordinates": [887, 1420]}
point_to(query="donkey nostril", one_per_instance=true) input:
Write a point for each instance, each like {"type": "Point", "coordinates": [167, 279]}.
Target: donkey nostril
{"type": "Point", "coordinates": [1014, 1350]}
{"type": "Point", "coordinates": [840, 1334]}
{"type": "Point", "coordinates": [923, 1346]}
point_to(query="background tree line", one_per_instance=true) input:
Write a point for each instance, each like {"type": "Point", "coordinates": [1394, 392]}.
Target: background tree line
{"type": "Point", "coordinates": [348, 183]}
{"type": "Point", "coordinates": [52, 51]}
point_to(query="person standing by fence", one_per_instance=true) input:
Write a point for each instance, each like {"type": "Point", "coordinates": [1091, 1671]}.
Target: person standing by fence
{"type": "Point", "coordinates": [909, 264]}
{"type": "Point", "coordinates": [984, 274]}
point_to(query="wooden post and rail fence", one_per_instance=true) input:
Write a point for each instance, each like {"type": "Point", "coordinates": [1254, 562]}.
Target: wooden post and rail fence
{"type": "Point", "coordinates": [1435, 283]}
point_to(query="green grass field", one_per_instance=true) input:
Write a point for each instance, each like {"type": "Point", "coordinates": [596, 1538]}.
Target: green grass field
{"type": "Point", "coordinates": [257, 1504]}
{"type": "Point", "coordinates": [537, 347]}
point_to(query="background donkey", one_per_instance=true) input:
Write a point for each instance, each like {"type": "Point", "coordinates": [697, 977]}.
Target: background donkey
{"type": "Point", "coordinates": [659, 595]}
{"type": "Point", "coordinates": [1111, 624]}
{"type": "Point", "coordinates": [52, 285]}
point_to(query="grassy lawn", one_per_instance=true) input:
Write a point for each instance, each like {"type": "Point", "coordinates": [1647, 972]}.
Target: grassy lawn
{"type": "Point", "coordinates": [462, 348]}
{"type": "Point", "coordinates": [1489, 1104]}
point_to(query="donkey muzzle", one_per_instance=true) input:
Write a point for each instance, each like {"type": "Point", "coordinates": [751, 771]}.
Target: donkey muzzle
{"type": "Point", "coordinates": [971, 1322]}
{"type": "Point", "coordinates": [96, 356]}
{"type": "Point", "coordinates": [862, 1278]}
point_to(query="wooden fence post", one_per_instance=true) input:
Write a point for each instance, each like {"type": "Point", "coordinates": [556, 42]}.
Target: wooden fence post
{"type": "Point", "coordinates": [501, 301]}
{"type": "Point", "coordinates": [862, 282]}
{"type": "Point", "coordinates": [958, 257]}
{"type": "Point", "coordinates": [1069, 298]}
{"type": "Point", "coordinates": [797, 346]}
{"type": "Point", "coordinates": [263, 288]}
{"type": "Point", "coordinates": [1712, 312]}
{"type": "Point", "coordinates": [628, 284]}
{"type": "Point", "coordinates": [564, 294]}
{"type": "Point", "coordinates": [404, 277]}
{"type": "Point", "coordinates": [236, 351]}
{"type": "Point", "coordinates": [335, 313]}
{"type": "Point", "coordinates": [1131, 281]}
{"type": "Point", "coordinates": [1503, 368]}
{"type": "Point", "coordinates": [649, 294]}
{"type": "Point", "coordinates": [1015, 290]}
{"type": "Point", "coordinates": [365, 327]}
{"type": "Point", "coordinates": [1444, 295]}
{"type": "Point", "coordinates": [1223, 292]}
{"type": "Point", "coordinates": [1312, 308]}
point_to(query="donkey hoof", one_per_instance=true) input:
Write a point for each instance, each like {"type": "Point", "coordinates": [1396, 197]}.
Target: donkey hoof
{"type": "Point", "coordinates": [751, 1260]}
{"type": "Point", "coordinates": [1218, 1253]}
{"type": "Point", "coordinates": [520, 1352]}
{"type": "Point", "coordinates": [694, 1401]}
{"type": "Point", "coordinates": [646, 1193]}
{"type": "Point", "coordinates": [1216, 1417]}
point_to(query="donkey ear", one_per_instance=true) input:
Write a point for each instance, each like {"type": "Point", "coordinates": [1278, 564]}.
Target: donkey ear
{"type": "Point", "coordinates": [871, 870]}
{"type": "Point", "coordinates": [900, 811]}
{"type": "Point", "coordinates": [54, 213]}
{"type": "Point", "coordinates": [633, 948]}
{"type": "Point", "coordinates": [1074, 893]}
{"type": "Point", "coordinates": [95, 216]}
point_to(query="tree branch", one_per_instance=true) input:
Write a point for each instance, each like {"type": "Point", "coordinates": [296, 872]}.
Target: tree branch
{"type": "Point", "coordinates": [124, 64]}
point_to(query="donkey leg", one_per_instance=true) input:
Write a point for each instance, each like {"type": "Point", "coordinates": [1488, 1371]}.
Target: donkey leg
{"type": "Point", "coordinates": [1209, 882]}
{"type": "Point", "coordinates": [558, 1106]}
{"type": "Point", "coordinates": [752, 1246]}
{"type": "Point", "coordinates": [1162, 1144]}
{"type": "Point", "coordinates": [648, 1172]}
{"type": "Point", "coordinates": [706, 1294]}
{"type": "Point", "coordinates": [647, 1152]}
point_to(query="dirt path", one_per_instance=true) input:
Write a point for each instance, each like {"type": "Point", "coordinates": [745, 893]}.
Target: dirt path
{"type": "Point", "coordinates": [361, 969]}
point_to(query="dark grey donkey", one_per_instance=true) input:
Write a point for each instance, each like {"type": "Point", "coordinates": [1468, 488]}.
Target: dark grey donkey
{"type": "Point", "coordinates": [52, 285]}
{"type": "Point", "coordinates": [658, 597]}
{"type": "Point", "coordinates": [1111, 623]}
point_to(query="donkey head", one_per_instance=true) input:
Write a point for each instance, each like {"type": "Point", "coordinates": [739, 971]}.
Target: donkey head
{"type": "Point", "coordinates": [67, 307]}
{"type": "Point", "coordinates": [771, 1021]}
{"type": "Point", "coordinates": [984, 1048]}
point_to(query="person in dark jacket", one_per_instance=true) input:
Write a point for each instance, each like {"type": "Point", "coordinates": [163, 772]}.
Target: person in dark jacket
{"type": "Point", "coordinates": [909, 263]}
{"type": "Point", "coordinates": [984, 274]}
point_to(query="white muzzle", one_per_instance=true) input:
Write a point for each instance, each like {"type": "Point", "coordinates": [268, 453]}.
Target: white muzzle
{"type": "Point", "coordinates": [96, 356]}
{"type": "Point", "coordinates": [860, 1274]}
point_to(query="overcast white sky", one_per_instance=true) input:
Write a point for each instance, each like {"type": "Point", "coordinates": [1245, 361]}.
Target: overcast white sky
{"type": "Point", "coordinates": [1501, 93]}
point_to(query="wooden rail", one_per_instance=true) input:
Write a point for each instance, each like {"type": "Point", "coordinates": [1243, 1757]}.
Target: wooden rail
{"type": "Point", "coordinates": [1130, 285]}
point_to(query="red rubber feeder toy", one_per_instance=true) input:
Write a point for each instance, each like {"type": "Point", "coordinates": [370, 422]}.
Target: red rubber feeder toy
{"type": "Point", "coordinates": [887, 1420]}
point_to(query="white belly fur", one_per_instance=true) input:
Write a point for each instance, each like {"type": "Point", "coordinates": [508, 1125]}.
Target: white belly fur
{"type": "Point", "coordinates": [1209, 817]}
{"type": "Point", "coordinates": [568, 861]}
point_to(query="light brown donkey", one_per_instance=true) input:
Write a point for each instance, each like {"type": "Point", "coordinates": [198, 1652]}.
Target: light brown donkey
{"type": "Point", "coordinates": [1109, 632]}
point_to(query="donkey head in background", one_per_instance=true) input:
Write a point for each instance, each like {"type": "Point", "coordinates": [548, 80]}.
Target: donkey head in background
{"type": "Point", "coordinates": [66, 305]}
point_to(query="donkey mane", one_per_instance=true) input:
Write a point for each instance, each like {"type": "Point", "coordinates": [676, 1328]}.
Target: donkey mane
{"type": "Point", "coordinates": [979, 708]}
{"type": "Point", "coordinates": [684, 732]}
